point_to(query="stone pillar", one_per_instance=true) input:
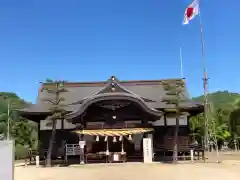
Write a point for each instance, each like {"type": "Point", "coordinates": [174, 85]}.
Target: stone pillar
{"type": "Point", "coordinates": [192, 155]}
{"type": "Point", "coordinates": [147, 149]}
{"type": "Point", "coordinates": [150, 136]}
{"type": "Point", "coordinates": [37, 161]}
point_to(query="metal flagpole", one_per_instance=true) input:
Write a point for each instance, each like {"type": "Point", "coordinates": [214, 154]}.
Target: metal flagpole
{"type": "Point", "coordinates": [205, 83]}
{"type": "Point", "coordinates": [181, 63]}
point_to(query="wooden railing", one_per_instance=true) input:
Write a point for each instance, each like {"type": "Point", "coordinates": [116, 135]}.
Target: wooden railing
{"type": "Point", "coordinates": [168, 144]}
{"type": "Point", "coordinates": [184, 145]}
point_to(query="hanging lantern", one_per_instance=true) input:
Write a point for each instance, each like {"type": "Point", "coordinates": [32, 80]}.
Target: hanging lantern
{"type": "Point", "coordinates": [106, 138]}
{"type": "Point", "coordinates": [130, 137]}
{"type": "Point", "coordinates": [114, 139]}
{"type": "Point", "coordinates": [120, 138]}
{"type": "Point", "coordinates": [97, 138]}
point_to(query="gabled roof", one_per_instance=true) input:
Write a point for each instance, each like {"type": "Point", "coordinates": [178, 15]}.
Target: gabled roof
{"type": "Point", "coordinates": [151, 92]}
{"type": "Point", "coordinates": [78, 91]}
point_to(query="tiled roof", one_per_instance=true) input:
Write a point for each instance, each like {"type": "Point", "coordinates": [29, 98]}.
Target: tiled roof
{"type": "Point", "coordinates": [152, 92]}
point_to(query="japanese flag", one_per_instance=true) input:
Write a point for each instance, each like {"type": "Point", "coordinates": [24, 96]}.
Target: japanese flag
{"type": "Point", "coordinates": [191, 11]}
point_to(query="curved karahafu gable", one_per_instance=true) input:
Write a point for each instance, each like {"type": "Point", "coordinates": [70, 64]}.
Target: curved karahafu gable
{"type": "Point", "coordinates": [114, 96]}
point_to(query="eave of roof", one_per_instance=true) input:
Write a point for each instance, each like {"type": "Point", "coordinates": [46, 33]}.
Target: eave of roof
{"type": "Point", "coordinates": [44, 109]}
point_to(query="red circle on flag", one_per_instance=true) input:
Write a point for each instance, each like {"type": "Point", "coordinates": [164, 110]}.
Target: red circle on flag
{"type": "Point", "coordinates": [189, 12]}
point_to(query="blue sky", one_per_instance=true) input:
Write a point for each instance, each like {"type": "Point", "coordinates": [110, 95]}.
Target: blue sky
{"type": "Point", "coordinates": [90, 40]}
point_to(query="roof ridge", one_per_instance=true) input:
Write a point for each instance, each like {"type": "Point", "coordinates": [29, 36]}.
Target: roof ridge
{"type": "Point", "coordinates": [121, 81]}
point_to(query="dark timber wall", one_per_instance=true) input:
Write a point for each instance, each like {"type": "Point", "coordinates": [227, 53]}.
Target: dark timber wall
{"type": "Point", "coordinates": [160, 134]}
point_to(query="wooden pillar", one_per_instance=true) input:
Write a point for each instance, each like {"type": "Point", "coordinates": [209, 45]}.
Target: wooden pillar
{"type": "Point", "coordinates": [188, 118]}
{"type": "Point", "coordinates": [62, 124]}
{"type": "Point", "coordinates": [165, 129]}
{"type": "Point", "coordinates": [165, 120]}
{"type": "Point", "coordinates": [39, 142]}
{"type": "Point", "coordinates": [144, 124]}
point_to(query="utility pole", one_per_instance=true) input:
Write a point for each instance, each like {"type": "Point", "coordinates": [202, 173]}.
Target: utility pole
{"type": "Point", "coordinates": [8, 120]}
{"type": "Point", "coordinates": [6, 97]}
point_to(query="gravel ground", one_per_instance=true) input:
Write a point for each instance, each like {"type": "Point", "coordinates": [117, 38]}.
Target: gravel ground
{"type": "Point", "coordinates": [132, 171]}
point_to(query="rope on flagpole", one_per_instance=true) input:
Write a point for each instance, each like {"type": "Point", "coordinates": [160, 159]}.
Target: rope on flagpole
{"type": "Point", "coordinates": [205, 83]}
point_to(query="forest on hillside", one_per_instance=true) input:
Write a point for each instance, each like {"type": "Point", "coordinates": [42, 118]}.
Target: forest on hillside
{"type": "Point", "coordinates": [220, 99]}
{"type": "Point", "coordinates": [23, 131]}
{"type": "Point", "coordinates": [224, 117]}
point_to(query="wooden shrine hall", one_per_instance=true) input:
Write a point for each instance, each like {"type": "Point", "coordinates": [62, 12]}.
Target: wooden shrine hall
{"type": "Point", "coordinates": [112, 118]}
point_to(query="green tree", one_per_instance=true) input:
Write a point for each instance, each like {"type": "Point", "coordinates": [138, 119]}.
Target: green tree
{"type": "Point", "coordinates": [227, 104]}
{"type": "Point", "coordinates": [174, 92]}
{"type": "Point", "coordinates": [23, 131]}
{"type": "Point", "coordinates": [9, 102]}
{"type": "Point", "coordinates": [197, 125]}
{"type": "Point", "coordinates": [218, 130]}
{"type": "Point", "coordinates": [55, 88]}
{"type": "Point", "coordinates": [234, 121]}
{"type": "Point", "coordinates": [217, 126]}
